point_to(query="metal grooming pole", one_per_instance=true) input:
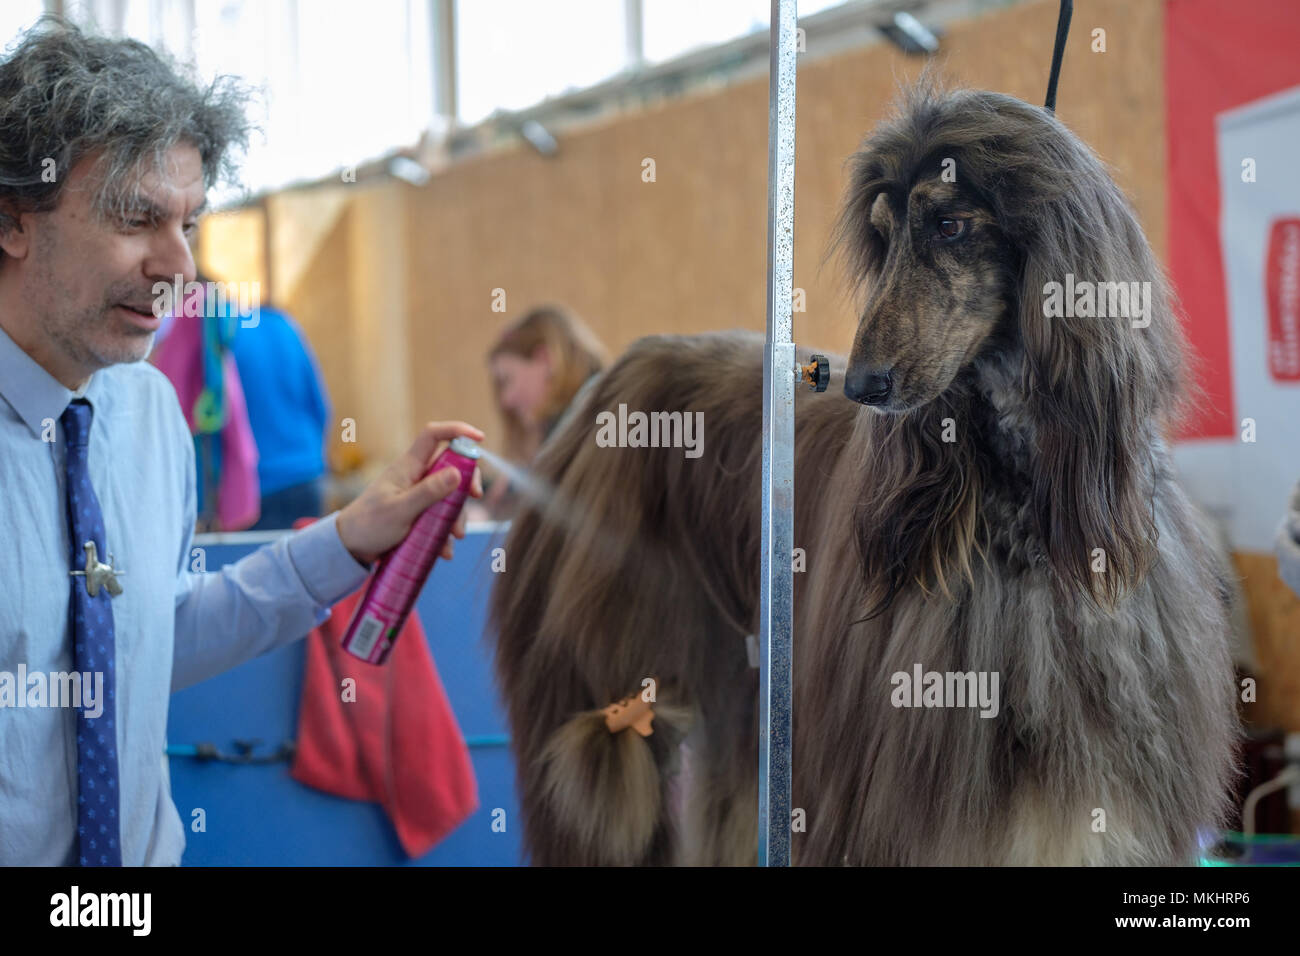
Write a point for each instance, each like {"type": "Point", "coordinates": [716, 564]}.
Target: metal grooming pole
{"type": "Point", "coordinates": [776, 603]}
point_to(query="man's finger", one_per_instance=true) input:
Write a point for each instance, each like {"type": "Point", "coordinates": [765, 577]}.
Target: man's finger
{"type": "Point", "coordinates": [412, 502]}
{"type": "Point", "coordinates": [413, 470]}
{"type": "Point", "coordinates": [426, 442]}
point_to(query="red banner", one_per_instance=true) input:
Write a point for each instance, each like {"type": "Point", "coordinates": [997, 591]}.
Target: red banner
{"type": "Point", "coordinates": [1219, 54]}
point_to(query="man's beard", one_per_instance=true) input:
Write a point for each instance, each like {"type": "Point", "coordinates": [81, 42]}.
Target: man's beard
{"type": "Point", "coordinates": [101, 338]}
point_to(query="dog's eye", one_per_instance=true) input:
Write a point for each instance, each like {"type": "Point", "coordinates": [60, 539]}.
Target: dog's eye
{"type": "Point", "coordinates": [948, 229]}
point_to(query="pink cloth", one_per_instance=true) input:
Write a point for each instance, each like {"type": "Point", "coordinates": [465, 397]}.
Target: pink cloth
{"type": "Point", "coordinates": [179, 356]}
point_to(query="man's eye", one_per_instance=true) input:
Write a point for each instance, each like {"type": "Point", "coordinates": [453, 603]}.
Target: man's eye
{"type": "Point", "coordinates": [947, 229]}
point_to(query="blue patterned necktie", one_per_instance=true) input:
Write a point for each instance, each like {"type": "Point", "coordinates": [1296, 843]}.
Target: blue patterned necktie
{"type": "Point", "coordinates": [91, 624]}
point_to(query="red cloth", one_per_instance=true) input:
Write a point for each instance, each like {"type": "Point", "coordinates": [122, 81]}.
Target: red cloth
{"type": "Point", "coordinates": [397, 744]}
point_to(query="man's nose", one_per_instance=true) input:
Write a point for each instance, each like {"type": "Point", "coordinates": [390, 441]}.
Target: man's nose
{"type": "Point", "coordinates": [867, 385]}
{"type": "Point", "coordinates": [169, 256]}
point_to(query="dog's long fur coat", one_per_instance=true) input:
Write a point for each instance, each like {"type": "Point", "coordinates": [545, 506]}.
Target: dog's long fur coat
{"type": "Point", "coordinates": [1007, 508]}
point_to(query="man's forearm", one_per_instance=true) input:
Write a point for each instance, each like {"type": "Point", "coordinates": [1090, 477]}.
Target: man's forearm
{"type": "Point", "coordinates": [273, 596]}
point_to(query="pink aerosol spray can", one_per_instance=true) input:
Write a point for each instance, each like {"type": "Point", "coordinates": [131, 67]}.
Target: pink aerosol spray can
{"type": "Point", "coordinates": [401, 573]}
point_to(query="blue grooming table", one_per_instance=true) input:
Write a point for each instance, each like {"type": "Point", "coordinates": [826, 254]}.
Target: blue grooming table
{"type": "Point", "coordinates": [257, 815]}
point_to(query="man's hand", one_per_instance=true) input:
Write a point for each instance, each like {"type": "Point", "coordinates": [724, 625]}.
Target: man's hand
{"type": "Point", "coordinates": [381, 515]}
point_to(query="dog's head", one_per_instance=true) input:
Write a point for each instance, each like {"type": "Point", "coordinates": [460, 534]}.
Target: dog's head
{"type": "Point", "coordinates": [941, 277]}
{"type": "Point", "coordinates": [929, 246]}
{"type": "Point", "coordinates": [963, 211]}
{"type": "Point", "coordinates": [960, 209]}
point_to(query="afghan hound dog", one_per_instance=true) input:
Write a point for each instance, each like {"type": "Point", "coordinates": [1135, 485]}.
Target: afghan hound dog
{"type": "Point", "coordinates": [984, 494]}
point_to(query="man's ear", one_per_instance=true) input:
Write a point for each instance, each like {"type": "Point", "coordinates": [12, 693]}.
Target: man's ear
{"type": "Point", "coordinates": [14, 239]}
{"type": "Point", "coordinates": [543, 354]}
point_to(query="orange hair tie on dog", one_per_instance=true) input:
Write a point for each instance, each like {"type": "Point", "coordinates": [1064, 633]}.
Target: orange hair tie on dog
{"type": "Point", "coordinates": [630, 712]}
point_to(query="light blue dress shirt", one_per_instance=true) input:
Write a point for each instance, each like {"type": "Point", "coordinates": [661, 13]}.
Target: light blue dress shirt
{"type": "Point", "coordinates": [174, 626]}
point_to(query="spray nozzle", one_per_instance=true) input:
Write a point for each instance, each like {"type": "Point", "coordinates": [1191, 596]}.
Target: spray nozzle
{"type": "Point", "coordinates": [466, 448]}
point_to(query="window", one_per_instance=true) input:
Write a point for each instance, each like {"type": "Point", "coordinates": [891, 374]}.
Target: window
{"type": "Point", "coordinates": [339, 83]}
{"type": "Point", "coordinates": [674, 27]}
{"type": "Point", "coordinates": [511, 54]}
{"type": "Point", "coordinates": [15, 17]}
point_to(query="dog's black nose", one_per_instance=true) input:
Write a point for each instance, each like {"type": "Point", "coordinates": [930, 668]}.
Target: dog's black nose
{"type": "Point", "coordinates": [868, 387]}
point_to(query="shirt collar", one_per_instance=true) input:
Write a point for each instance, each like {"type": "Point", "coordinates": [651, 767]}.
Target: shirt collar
{"type": "Point", "coordinates": [34, 393]}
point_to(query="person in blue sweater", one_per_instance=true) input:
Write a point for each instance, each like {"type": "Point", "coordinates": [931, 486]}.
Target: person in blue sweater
{"type": "Point", "coordinates": [288, 408]}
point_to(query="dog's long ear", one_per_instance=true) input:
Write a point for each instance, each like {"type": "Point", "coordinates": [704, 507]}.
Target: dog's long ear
{"type": "Point", "coordinates": [1098, 388]}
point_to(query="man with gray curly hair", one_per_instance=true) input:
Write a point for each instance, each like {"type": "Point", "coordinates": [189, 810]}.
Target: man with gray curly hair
{"type": "Point", "coordinates": [106, 155]}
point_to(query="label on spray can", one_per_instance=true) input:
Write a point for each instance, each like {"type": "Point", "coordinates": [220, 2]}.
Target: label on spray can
{"type": "Point", "coordinates": [368, 632]}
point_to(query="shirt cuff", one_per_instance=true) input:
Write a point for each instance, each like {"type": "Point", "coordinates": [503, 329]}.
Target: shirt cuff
{"type": "Point", "coordinates": [327, 568]}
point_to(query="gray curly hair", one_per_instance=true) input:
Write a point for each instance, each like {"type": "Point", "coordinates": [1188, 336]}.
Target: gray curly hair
{"type": "Point", "coordinates": [66, 95]}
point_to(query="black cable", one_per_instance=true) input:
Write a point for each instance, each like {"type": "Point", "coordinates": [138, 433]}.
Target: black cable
{"type": "Point", "coordinates": [1058, 52]}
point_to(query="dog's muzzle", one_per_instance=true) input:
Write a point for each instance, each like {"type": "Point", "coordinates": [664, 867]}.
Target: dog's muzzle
{"type": "Point", "coordinates": [867, 387]}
